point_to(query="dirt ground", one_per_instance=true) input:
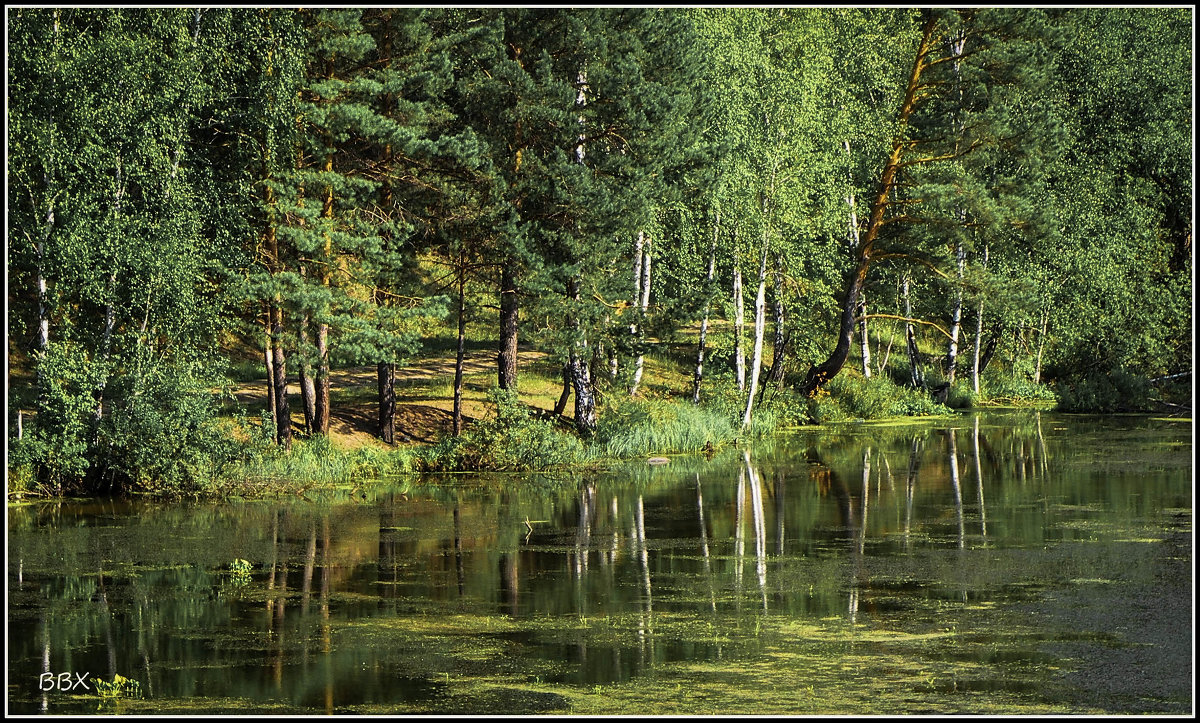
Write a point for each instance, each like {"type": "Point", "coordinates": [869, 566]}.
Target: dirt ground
{"type": "Point", "coordinates": [421, 417]}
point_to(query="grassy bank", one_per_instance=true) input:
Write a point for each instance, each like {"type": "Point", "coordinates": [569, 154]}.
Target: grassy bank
{"type": "Point", "coordinates": [510, 433]}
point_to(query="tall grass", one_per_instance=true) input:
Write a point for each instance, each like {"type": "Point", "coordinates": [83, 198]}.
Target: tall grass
{"type": "Point", "coordinates": [635, 428]}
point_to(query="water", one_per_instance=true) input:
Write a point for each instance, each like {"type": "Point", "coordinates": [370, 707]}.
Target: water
{"type": "Point", "coordinates": [1013, 561]}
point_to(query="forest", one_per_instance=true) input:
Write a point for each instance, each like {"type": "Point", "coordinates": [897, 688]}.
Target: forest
{"type": "Point", "coordinates": [665, 230]}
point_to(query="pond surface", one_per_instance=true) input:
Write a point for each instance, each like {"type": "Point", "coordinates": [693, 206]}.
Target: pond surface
{"type": "Point", "coordinates": [1012, 561]}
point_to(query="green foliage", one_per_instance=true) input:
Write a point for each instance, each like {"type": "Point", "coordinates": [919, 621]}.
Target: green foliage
{"type": "Point", "coordinates": [850, 396]}
{"type": "Point", "coordinates": [509, 439]}
{"type": "Point", "coordinates": [1116, 390]}
{"type": "Point", "coordinates": [118, 687]}
{"type": "Point", "coordinates": [960, 395]}
{"type": "Point", "coordinates": [1009, 387]}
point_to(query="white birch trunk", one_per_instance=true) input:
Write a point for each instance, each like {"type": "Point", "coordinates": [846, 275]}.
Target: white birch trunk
{"type": "Point", "coordinates": [978, 334]}
{"type": "Point", "coordinates": [739, 319]}
{"type": "Point", "coordinates": [956, 314]}
{"type": "Point", "coordinates": [760, 322]}
{"type": "Point", "coordinates": [864, 343]}
{"type": "Point", "coordinates": [961, 250]}
{"type": "Point", "coordinates": [643, 288]}
{"type": "Point", "coordinates": [1037, 368]}
{"type": "Point", "coordinates": [712, 267]}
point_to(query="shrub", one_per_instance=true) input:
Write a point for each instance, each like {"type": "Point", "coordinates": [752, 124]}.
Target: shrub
{"type": "Point", "coordinates": [1097, 391]}
{"type": "Point", "coordinates": [851, 396]}
{"type": "Point", "coordinates": [508, 439]}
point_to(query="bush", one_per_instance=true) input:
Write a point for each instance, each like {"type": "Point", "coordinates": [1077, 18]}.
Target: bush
{"type": "Point", "coordinates": [1114, 391]}
{"type": "Point", "coordinates": [1019, 388]}
{"type": "Point", "coordinates": [961, 395]}
{"type": "Point", "coordinates": [508, 439]}
{"type": "Point", "coordinates": [849, 396]}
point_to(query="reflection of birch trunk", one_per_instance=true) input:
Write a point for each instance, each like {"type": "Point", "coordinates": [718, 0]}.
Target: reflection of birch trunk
{"type": "Point", "coordinates": [914, 462]}
{"type": "Point", "coordinates": [866, 495]}
{"type": "Point", "coordinates": [271, 573]}
{"type": "Point", "coordinates": [1043, 457]}
{"type": "Point", "coordinates": [979, 478]}
{"type": "Point", "coordinates": [712, 593]}
{"type": "Point", "coordinates": [583, 531]}
{"type": "Point", "coordinates": [460, 573]}
{"type": "Point", "coordinates": [45, 661]}
{"type": "Point", "coordinates": [644, 555]}
{"type": "Point", "coordinates": [310, 561]}
{"type": "Point", "coordinates": [958, 511]}
{"type": "Point", "coordinates": [739, 536]}
{"type": "Point", "coordinates": [780, 507]}
{"type": "Point", "coordinates": [760, 528]}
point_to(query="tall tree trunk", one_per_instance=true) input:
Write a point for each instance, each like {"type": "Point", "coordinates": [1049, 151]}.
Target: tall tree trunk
{"type": "Point", "coordinates": [739, 317]}
{"type": "Point", "coordinates": [960, 251]}
{"type": "Point", "coordinates": [956, 314]}
{"type": "Point", "coordinates": [855, 281]}
{"type": "Point", "coordinates": [507, 358]}
{"type": "Point", "coordinates": [989, 348]}
{"type": "Point", "coordinates": [561, 405]}
{"type": "Point", "coordinates": [643, 289]}
{"type": "Point", "coordinates": [712, 267]}
{"type": "Point", "coordinates": [910, 338]}
{"type": "Point", "coordinates": [459, 356]}
{"type": "Point", "coordinates": [269, 361]}
{"type": "Point", "coordinates": [864, 341]}
{"type": "Point", "coordinates": [780, 342]}
{"type": "Point", "coordinates": [760, 322]}
{"type": "Point", "coordinates": [975, 368]}
{"type": "Point", "coordinates": [887, 354]}
{"type": "Point", "coordinates": [40, 248]}
{"type": "Point", "coordinates": [277, 366]}
{"type": "Point", "coordinates": [321, 408]}
{"type": "Point", "coordinates": [385, 373]}
{"type": "Point", "coordinates": [855, 238]}
{"type": "Point", "coordinates": [283, 412]}
{"type": "Point", "coordinates": [308, 390]}
{"type": "Point", "coordinates": [1037, 368]}
{"type": "Point", "coordinates": [581, 378]}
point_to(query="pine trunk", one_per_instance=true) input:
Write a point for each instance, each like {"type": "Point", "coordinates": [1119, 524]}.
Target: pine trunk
{"type": "Point", "coordinates": [459, 356]}
{"type": "Point", "coordinates": [385, 373]}
{"type": "Point", "coordinates": [856, 280]}
{"type": "Point", "coordinates": [507, 359]}
{"type": "Point", "coordinates": [283, 412]}
{"type": "Point", "coordinates": [561, 405]}
{"type": "Point", "coordinates": [712, 267]}
{"type": "Point", "coordinates": [269, 362]}
{"type": "Point", "coordinates": [321, 403]}
{"type": "Point", "coordinates": [321, 407]}
{"type": "Point", "coordinates": [308, 392]}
